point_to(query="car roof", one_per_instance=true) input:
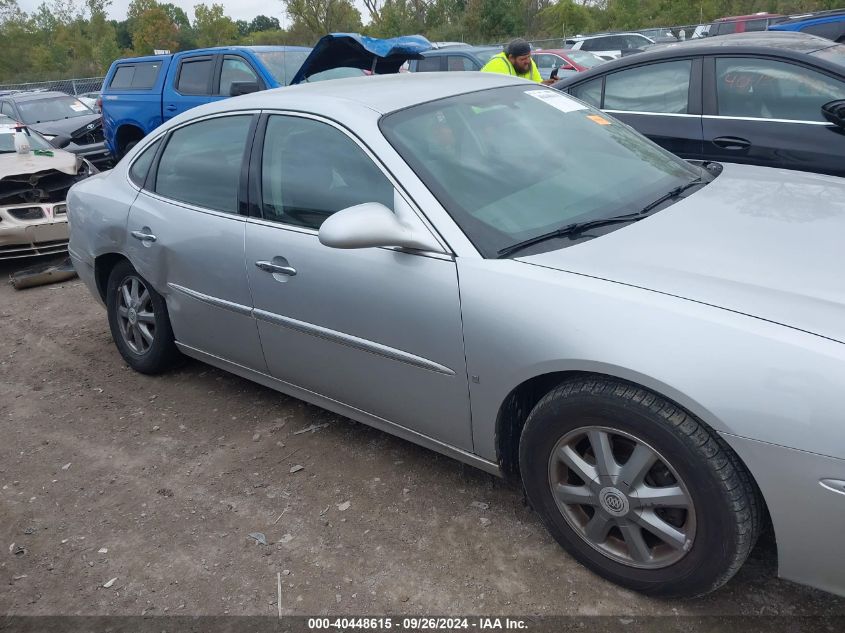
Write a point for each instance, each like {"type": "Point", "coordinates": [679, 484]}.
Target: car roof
{"type": "Point", "coordinates": [828, 16]}
{"type": "Point", "coordinates": [457, 50]}
{"type": "Point", "coordinates": [36, 96]}
{"type": "Point", "coordinates": [752, 16]}
{"type": "Point", "coordinates": [788, 43]}
{"type": "Point", "coordinates": [376, 93]}
{"type": "Point", "coordinates": [581, 38]}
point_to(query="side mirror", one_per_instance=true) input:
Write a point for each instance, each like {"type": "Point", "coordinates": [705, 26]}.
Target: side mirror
{"type": "Point", "coordinates": [372, 224]}
{"type": "Point", "coordinates": [243, 88]}
{"type": "Point", "coordinates": [834, 111]}
{"type": "Point", "coordinates": [60, 142]}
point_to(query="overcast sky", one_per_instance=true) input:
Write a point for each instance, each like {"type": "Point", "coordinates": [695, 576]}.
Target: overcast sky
{"type": "Point", "coordinates": [240, 10]}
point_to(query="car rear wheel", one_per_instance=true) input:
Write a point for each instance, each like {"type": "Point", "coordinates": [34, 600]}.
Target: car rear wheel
{"type": "Point", "coordinates": [637, 489]}
{"type": "Point", "coordinates": [139, 322]}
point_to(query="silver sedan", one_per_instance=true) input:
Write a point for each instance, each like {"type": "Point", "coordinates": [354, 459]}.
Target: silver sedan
{"type": "Point", "coordinates": [505, 275]}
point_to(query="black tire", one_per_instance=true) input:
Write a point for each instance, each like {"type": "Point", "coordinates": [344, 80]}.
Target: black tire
{"type": "Point", "coordinates": [128, 147]}
{"type": "Point", "coordinates": [161, 353]}
{"type": "Point", "coordinates": [726, 504]}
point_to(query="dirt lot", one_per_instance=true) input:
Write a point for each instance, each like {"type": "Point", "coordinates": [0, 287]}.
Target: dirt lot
{"type": "Point", "coordinates": [158, 482]}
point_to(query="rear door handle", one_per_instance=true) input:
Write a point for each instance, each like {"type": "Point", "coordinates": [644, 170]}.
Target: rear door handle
{"type": "Point", "coordinates": [144, 237]}
{"type": "Point", "coordinates": [171, 108]}
{"type": "Point", "coordinates": [270, 267]}
{"type": "Point", "coordinates": [732, 142]}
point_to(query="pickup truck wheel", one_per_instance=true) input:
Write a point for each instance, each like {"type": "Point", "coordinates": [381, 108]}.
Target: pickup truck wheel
{"type": "Point", "coordinates": [139, 322]}
{"type": "Point", "coordinates": [637, 489]}
{"type": "Point", "coordinates": [128, 147]}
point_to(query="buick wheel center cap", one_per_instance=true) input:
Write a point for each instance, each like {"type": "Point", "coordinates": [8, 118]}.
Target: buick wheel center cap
{"type": "Point", "coordinates": [613, 501]}
{"type": "Point", "coordinates": [132, 315]}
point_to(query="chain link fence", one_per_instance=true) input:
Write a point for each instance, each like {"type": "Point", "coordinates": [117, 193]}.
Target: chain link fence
{"type": "Point", "coordinates": [68, 86]}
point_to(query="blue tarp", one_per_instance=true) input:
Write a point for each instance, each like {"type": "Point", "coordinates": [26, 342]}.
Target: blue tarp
{"type": "Point", "coordinates": [351, 50]}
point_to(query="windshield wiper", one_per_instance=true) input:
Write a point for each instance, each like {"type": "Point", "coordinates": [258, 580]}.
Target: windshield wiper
{"type": "Point", "coordinates": [576, 228]}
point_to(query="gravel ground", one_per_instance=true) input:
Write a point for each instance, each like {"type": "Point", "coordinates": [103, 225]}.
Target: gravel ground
{"type": "Point", "coordinates": [124, 494]}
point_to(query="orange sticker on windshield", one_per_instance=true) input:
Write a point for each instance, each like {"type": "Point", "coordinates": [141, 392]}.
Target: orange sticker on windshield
{"type": "Point", "coordinates": [595, 118]}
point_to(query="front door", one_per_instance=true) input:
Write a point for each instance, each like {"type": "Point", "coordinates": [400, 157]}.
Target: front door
{"type": "Point", "coordinates": [768, 112]}
{"type": "Point", "coordinates": [187, 238]}
{"type": "Point", "coordinates": [377, 329]}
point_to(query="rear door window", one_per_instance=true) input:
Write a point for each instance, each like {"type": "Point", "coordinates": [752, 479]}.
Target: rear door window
{"type": "Point", "coordinates": [195, 76]}
{"type": "Point", "coordinates": [459, 62]}
{"type": "Point", "coordinates": [589, 92]}
{"type": "Point", "coordinates": [429, 64]}
{"type": "Point", "coordinates": [140, 76]}
{"type": "Point", "coordinates": [141, 167]}
{"type": "Point", "coordinates": [201, 164]}
{"type": "Point", "coordinates": [756, 25]}
{"type": "Point", "coordinates": [830, 30]}
{"type": "Point", "coordinates": [725, 28]}
{"type": "Point", "coordinates": [659, 88]}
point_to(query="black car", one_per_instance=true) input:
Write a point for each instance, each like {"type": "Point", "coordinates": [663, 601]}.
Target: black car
{"type": "Point", "coordinates": [454, 58]}
{"type": "Point", "coordinates": [751, 98]}
{"type": "Point", "coordinates": [64, 120]}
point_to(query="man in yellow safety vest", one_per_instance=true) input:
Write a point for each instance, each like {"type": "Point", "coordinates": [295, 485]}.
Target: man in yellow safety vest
{"type": "Point", "coordinates": [516, 60]}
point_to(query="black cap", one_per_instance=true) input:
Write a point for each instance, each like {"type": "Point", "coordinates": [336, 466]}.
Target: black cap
{"type": "Point", "coordinates": [518, 48]}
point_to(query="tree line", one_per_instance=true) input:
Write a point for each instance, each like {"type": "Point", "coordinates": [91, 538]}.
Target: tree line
{"type": "Point", "coordinates": [75, 38]}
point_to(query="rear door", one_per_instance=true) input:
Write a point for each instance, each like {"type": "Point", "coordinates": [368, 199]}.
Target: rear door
{"type": "Point", "coordinates": [661, 100]}
{"type": "Point", "coordinates": [190, 83]}
{"type": "Point", "coordinates": [187, 236]}
{"type": "Point", "coordinates": [766, 111]}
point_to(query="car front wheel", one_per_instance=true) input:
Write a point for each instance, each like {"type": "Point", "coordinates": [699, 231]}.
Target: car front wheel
{"type": "Point", "coordinates": [637, 489]}
{"type": "Point", "coordinates": [139, 322]}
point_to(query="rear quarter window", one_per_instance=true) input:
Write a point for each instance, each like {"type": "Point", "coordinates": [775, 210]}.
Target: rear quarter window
{"type": "Point", "coordinates": [140, 76]}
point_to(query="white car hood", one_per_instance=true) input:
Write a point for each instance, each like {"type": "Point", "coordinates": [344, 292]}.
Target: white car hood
{"type": "Point", "coordinates": [14, 164]}
{"type": "Point", "coordinates": [769, 243]}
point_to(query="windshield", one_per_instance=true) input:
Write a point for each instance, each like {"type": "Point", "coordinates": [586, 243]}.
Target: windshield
{"type": "Point", "coordinates": [283, 64]}
{"type": "Point", "coordinates": [7, 140]}
{"type": "Point", "coordinates": [835, 54]}
{"type": "Point", "coordinates": [583, 58]}
{"type": "Point", "coordinates": [513, 163]}
{"type": "Point", "coordinates": [52, 109]}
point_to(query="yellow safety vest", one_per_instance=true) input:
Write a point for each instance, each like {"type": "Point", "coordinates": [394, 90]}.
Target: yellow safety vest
{"type": "Point", "coordinates": [502, 65]}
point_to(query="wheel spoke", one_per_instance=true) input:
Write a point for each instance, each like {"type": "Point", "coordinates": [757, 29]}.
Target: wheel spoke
{"type": "Point", "coordinates": [146, 317]}
{"type": "Point", "coordinates": [136, 338]}
{"type": "Point", "coordinates": [123, 311]}
{"type": "Point", "coordinates": [134, 290]}
{"type": "Point", "coordinates": [597, 528]}
{"type": "Point", "coordinates": [669, 534]}
{"type": "Point", "coordinates": [576, 463]}
{"type": "Point", "coordinates": [637, 547]}
{"type": "Point", "coordinates": [603, 451]}
{"type": "Point", "coordinates": [127, 297]}
{"type": "Point", "coordinates": [143, 299]}
{"type": "Point", "coordinates": [638, 464]}
{"type": "Point", "coordinates": [664, 497]}
{"type": "Point", "coordinates": [580, 495]}
{"type": "Point", "coordinates": [145, 332]}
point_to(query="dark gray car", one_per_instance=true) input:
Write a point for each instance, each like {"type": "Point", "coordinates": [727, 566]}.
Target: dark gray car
{"type": "Point", "coordinates": [56, 114]}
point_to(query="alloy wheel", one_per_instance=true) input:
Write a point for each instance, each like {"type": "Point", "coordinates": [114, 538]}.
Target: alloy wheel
{"type": "Point", "coordinates": [622, 497]}
{"type": "Point", "coordinates": [135, 314]}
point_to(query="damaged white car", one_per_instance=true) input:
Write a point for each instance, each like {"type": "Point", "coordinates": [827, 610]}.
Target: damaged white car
{"type": "Point", "coordinates": [34, 181]}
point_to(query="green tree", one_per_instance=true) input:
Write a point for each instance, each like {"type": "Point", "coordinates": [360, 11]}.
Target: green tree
{"type": "Point", "coordinates": [212, 27]}
{"type": "Point", "coordinates": [151, 27]}
{"type": "Point", "coordinates": [319, 17]}
{"type": "Point", "coordinates": [263, 23]}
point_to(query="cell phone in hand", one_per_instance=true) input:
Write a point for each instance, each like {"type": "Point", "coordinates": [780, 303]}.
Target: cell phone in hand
{"type": "Point", "coordinates": [554, 73]}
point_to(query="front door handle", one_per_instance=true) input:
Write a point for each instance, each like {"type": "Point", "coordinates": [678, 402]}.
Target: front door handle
{"type": "Point", "coordinates": [732, 142]}
{"type": "Point", "coordinates": [270, 267]}
{"type": "Point", "coordinates": [144, 237]}
{"type": "Point", "coordinates": [171, 108]}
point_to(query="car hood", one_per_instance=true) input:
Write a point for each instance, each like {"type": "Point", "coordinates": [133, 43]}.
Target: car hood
{"type": "Point", "coordinates": [350, 50]}
{"type": "Point", "coordinates": [76, 126]}
{"type": "Point", "coordinates": [14, 164]}
{"type": "Point", "coordinates": [769, 243]}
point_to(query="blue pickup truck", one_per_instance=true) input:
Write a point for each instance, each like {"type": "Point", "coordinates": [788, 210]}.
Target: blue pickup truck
{"type": "Point", "coordinates": [141, 93]}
